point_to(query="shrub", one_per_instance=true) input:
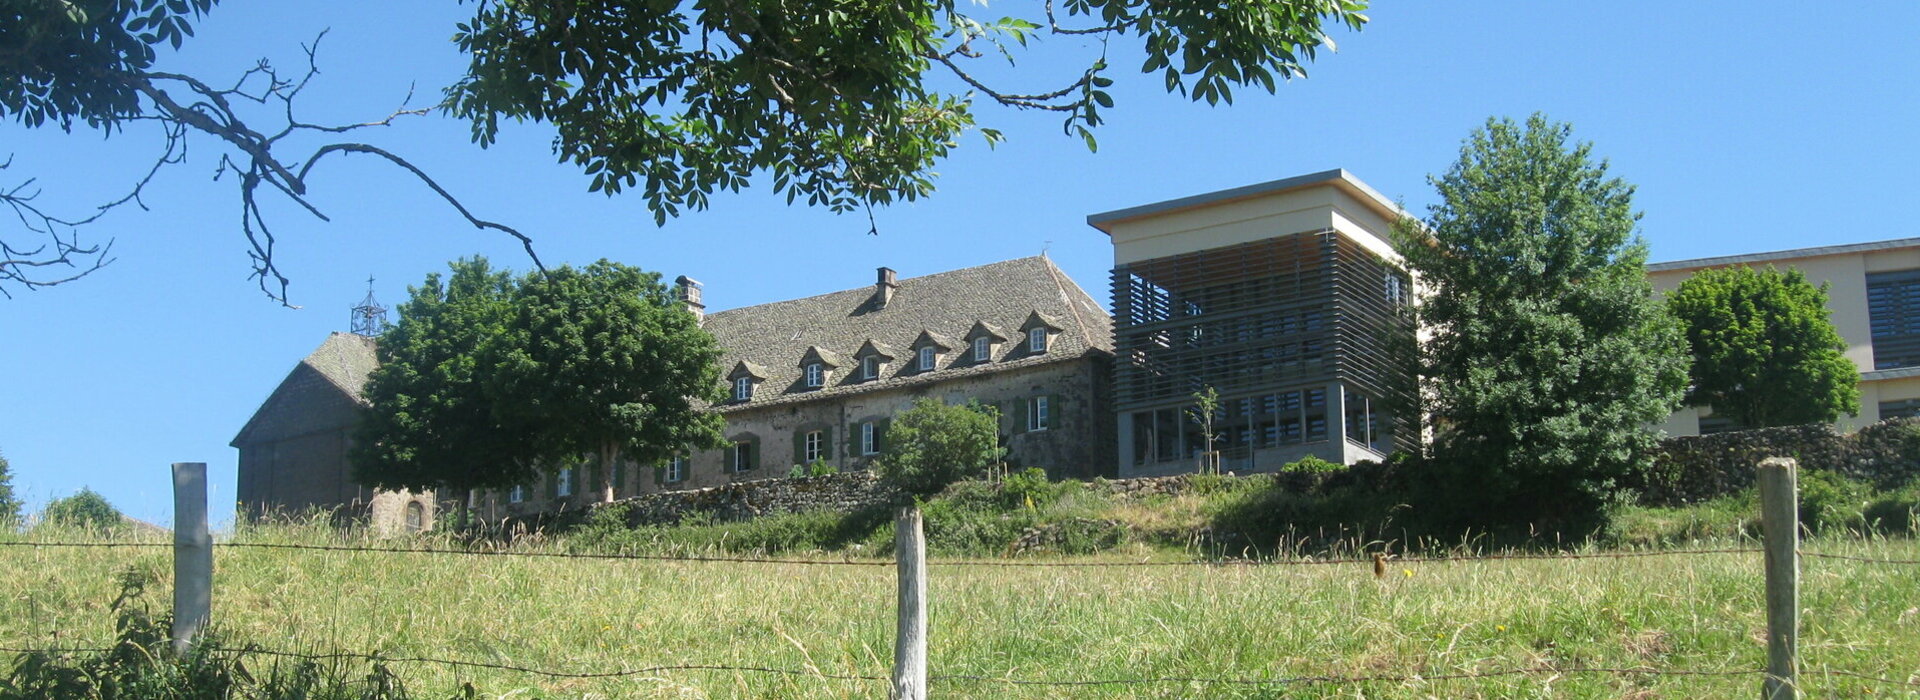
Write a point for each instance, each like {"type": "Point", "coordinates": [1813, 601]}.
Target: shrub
{"type": "Point", "coordinates": [818, 467]}
{"type": "Point", "coordinates": [84, 509]}
{"type": "Point", "coordinates": [1312, 465]}
{"type": "Point", "coordinates": [1894, 512]}
{"type": "Point", "coordinates": [933, 444]}
{"type": "Point", "coordinates": [1829, 502]}
{"type": "Point", "coordinates": [1029, 489]}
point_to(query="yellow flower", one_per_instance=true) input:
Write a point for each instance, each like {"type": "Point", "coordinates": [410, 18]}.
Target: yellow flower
{"type": "Point", "coordinates": [1499, 628]}
{"type": "Point", "coordinates": [1407, 572]}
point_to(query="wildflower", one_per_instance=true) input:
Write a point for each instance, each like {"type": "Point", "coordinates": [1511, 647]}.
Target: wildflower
{"type": "Point", "coordinates": [1499, 628]}
{"type": "Point", "coordinates": [1407, 572]}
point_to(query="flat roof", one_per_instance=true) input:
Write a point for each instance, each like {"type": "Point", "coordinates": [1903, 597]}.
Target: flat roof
{"type": "Point", "coordinates": [1752, 258]}
{"type": "Point", "coordinates": [1337, 176]}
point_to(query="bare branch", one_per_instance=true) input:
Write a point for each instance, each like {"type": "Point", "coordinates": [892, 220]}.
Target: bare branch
{"type": "Point", "coordinates": [479, 223]}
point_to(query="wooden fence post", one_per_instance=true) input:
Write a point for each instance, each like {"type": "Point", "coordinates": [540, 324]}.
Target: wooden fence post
{"type": "Point", "coordinates": [192, 554]}
{"type": "Point", "coordinates": [1780, 523]}
{"type": "Point", "coordinates": [910, 641]}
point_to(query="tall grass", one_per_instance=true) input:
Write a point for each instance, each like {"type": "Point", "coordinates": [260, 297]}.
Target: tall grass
{"type": "Point", "coordinates": [1694, 612]}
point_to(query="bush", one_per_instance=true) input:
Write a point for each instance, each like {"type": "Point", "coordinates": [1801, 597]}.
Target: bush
{"type": "Point", "coordinates": [1312, 465]}
{"type": "Point", "coordinates": [818, 467]}
{"type": "Point", "coordinates": [1029, 489]}
{"type": "Point", "coordinates": [1830, 502]}
{"type": "Point", "coordinates": [1894, 512]}
{"type": "Point", "coordinates": [84, 509]}
{"type": "Point", "coordinates": [932, 445]}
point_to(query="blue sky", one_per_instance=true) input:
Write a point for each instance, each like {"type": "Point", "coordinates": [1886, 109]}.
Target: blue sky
{"type": "Point", "coordinates": [1746, 128]}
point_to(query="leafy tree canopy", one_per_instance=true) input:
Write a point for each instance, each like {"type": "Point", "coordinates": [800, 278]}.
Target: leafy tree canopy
{"type": "Point", "coordinates": [844, 104]}
{"type": "Point", "coordinates": [1765, 352]}
{"type": "Point", "coordinates": [487, 381]}
{"type": "Point", "coordinates": [603, 360]}
{"type": "Point", "coordinates": [83, 509]}
{"type": "Point", "coordinates": [1548, 357]}
{"type": "Point", "coordinates": [932, 444]}
{"type": "Point", "coordinates": [431, 421]}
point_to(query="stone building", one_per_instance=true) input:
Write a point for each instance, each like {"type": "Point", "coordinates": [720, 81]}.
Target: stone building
{"type": "Point", "coordinates": [293, 451]}
{"type": "Point", "coordinates": [1285, 297]}
{"type": "Point", "coordinates": [819, 379]}
{"type": "Point", "coordinates": [1873, 294]}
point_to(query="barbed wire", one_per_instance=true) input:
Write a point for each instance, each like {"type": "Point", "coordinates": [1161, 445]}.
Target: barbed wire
{"type": "Point", "coordinates": [1332, 679]}
{"type": "Point", "coordinates": [991, 563]}
{"type": "Point", "coordinates": [1870, 560]}
{"type": "Point", "coordinates": [1862, 676]}
{"type": "Point", "coordinates": [816, 673]}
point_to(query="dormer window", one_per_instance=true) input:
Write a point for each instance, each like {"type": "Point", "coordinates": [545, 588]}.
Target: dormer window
{"type": "Point", "coordinates": [982, 349]}
{"type": "Point", "coordinates": [743, 389]}
{"type": "Point", "coordinates": [870, 368]}
{"type": "Point", "coordinates": [816, 375]}
{"type": "Point", "coordinates": [1036, 340]}
{"type": "Point", "coordinates": [927, 358]}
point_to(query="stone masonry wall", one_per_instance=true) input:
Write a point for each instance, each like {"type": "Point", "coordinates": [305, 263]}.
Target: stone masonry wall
{"type": "Point", "coordinates": [1685, 469]}
{"type": "Point", "coordinates": [1695, 468]}
{"type": "Point", "coordinates": [750, 499]}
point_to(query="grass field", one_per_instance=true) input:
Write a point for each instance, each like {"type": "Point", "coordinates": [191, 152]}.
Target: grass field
{"type": "Point", "coordinates": [1687, 612]}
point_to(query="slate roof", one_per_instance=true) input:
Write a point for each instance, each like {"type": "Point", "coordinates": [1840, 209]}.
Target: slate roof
{"type": "Point", "coordinates": [338, 368]}
{"type": "Point", "coordinates": [1004, 295]}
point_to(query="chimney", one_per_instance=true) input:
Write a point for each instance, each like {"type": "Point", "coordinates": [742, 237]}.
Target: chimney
{"type": "Point", "coordinates": [687, 290]}
{"type": "Point", "coordinates": [883, 288]}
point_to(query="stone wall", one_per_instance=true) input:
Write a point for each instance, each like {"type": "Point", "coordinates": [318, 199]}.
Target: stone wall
{"type": "Point", "coordinates": [1695, 468]}
{"type": "Point", "coordinates": [1685, 469]}
{"type": "Point", "coordinates": [750, 499]}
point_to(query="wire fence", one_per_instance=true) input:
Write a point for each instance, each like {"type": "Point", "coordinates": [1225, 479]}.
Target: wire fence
{"type": "Point", "coordinates": [1002, 563]}
{"type": "Point", "coordinates": [193, 569]}
{"type": "Point", "coordinates": [1323, 679]}
{"type": "Point", "coordinates": [1009, 680]}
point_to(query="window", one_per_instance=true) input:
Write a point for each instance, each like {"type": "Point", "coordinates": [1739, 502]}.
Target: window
{"type": "Point", "coordinates": [416, 516]}
{"type": "Point", "coordinates": [563, 483]}
{"type": "Point", "coordinates": [743, 389]}
{"type": "Point", "coordinates": [816, 375]}
{"type": "Point", "coordinates": [1893, 310]}
{"type": "Point", "coordinates": [740, 456]}
{"type": "Point", "coordinates": [814, 448]}
{"type": "Point", "coordinates": [1906, 408]}
{"type": "Point", "coordinates": [870, 367]}
{"type": "Point", "coordinates": [517, 494]}
{"type": "Point", "coordinates": [1039, 413]}
{"type": "Point", "coordinates": [1394, 293]}
{"type": "Point", "coordinates": [982, 349]}
{"type": "Point", "coordinates": [927, 357]}
{"type": "Point", "coordinates": [676, 470]}
{"type": "Point", "coordinates": [1037, 340]}
{"type": "Point", "coordinates": [869, 438]}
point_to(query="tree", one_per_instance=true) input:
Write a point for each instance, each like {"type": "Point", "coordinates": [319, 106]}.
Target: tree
{"type": "Point", "coordinates": [1764, 350]}
{"type": "Point", "coordinates": [932, 444]}
{"type": "Point", "coordinates": [84, 509]}
{"type": "Point", "coordinates": [603, 360]}
{"type": "Point", "coordinates": [1547, 357]}
{"type": "Point", "coordinates": [430, 421]}
{"type": "Point", "coordinates": [836, 101]}
{"type": "Point", "coordinates": [9, 504]}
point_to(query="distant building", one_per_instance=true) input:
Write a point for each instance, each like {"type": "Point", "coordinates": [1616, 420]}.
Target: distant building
{"type": "Point", "coordinates": [1874, 295]}
{"type": "Point", "coordinates": [293, 451]}
{"type": "Point", "coordinates": [1281, 296]}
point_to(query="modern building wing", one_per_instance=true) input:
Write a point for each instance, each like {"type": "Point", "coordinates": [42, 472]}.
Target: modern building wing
{"type": "Point", "coordinates": [1873, 292]}
{"type": "Point", "coordinates": [1284, 297]}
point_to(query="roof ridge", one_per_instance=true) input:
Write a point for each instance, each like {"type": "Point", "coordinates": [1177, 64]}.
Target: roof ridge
{"type": "Point", "coordinates": [1073, 306]}
{"type": "Point", "coordinates": [902, 280]}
